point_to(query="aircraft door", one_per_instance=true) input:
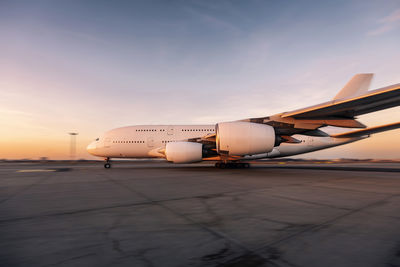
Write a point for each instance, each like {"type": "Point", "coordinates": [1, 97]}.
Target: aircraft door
{"type": "Point", "coordinates": [170, 130]}
{"type": "Point", "coordinates": [310, 141]}
{"type": "Point", "coordinates": [107, 142]}
{"type": "Point", "coordinates": [150, 141]}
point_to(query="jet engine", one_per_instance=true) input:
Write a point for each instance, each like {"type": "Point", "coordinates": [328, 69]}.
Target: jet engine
{"type": "Point", "coordinates": [184, 152]}
{"type": "Point", "coordinates": [244, 138]}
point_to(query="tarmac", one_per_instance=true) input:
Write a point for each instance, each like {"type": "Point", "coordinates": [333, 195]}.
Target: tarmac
{"type": "Point", "coordinates": [160, 214]}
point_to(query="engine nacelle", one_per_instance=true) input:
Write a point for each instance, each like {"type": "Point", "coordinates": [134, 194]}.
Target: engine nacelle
{"type": "Point", "coordinates": [184, 152]}
{"type": "Point", "coordinates": [244, 138]}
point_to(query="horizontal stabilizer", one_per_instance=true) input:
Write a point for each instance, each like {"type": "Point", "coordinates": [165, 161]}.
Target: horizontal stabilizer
{"type": "Point", "coordinates": [368, 131]}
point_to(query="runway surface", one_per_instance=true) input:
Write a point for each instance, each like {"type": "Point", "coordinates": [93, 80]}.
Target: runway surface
{"type": "Point", "coordinates": [159, 214]}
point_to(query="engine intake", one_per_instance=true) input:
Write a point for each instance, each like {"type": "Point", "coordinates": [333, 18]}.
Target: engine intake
{"type": "Point", "coordinates": [244, 138]}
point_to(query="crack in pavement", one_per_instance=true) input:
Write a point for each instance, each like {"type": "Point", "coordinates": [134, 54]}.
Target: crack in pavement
{"type": "Point", "coordinates": [123, 205]}
{"type": "Point", "coordinates": [26, 188]}
{"type": "Point", "coordinates": [202, 226]}
{"type": "Point", "coordinates": [326, 223]}
{"type": "Point", "coordinates": [309, 202]}
{"type": "Point", "coordinates": [71, 259]}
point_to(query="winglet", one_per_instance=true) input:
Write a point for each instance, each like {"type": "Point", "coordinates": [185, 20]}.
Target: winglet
{"type": "Point", "coordinates": [356, 86]}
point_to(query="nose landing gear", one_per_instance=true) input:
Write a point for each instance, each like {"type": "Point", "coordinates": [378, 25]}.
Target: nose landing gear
{"type": "Point", "coordinates": [232, 165]}
{"type": "Point", "coordinates": [107, 165]}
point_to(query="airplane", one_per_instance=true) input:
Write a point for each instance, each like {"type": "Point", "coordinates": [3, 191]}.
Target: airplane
{"type": "Point", "coordinates": [234, 143]}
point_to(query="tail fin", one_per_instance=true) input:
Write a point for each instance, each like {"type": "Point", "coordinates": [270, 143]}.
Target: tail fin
{"type": "Point", "coordinates": [368, 131]}
{"type": "Point", "coordinates": [356, 86]}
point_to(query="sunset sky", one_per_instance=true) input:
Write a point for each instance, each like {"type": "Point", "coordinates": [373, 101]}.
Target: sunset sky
{"type": "Point", "coordinates": [90, 66]}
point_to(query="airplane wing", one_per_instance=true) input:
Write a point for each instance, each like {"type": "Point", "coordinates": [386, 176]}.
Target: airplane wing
{"type": "Point", "coordinates": [368, 131]}
{"type": "Point", "coordinates": [351, 101]}
{"type": "Point", "coordinates": [370, 101]}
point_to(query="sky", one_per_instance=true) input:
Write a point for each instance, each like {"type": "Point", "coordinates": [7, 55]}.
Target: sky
{"type": "Point", "coordinates": [90, 66]}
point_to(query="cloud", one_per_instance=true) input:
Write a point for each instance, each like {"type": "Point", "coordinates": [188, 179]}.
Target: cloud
{"type": "Point", "coordinates": [387, 23]}
{"type": "Point", "coordinates": [395, 16]}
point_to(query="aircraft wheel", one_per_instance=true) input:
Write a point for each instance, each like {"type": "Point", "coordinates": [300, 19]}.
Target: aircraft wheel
{"type": "Point", "coordinates": [222, 165]}
{"type": "Point", "coordinates": [217, 165]}
{"type": "Point", "coordinates": [107, 165]}
{"type": "Point", "coordinates": [240, 165]}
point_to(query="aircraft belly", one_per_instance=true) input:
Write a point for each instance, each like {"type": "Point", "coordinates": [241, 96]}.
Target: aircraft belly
{"type": "Point", "coordinates": [312, 144]}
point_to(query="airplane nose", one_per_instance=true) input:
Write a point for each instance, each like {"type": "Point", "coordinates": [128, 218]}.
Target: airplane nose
{"type": "Point", "coordinates": [91, 147]}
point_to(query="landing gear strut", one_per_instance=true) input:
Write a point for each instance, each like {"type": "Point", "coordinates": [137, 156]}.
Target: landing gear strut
{"type": "Point", "coordinates": [232, 165]}
{"type": "Point", "coordinates": [107, 165]}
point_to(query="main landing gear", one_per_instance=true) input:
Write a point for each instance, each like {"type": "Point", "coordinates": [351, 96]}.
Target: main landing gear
{"type": "Point", "coordinates": [107, 165]}
{"type": "Point", "coordinates": [232, 165]}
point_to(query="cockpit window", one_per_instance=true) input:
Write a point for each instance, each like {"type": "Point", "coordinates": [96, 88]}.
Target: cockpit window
{"type": "Point", "coordinates": [97, 139]}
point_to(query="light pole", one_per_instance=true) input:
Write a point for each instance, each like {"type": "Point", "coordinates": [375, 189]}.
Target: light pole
{"type": "Point", "coordinates": [72, 149]}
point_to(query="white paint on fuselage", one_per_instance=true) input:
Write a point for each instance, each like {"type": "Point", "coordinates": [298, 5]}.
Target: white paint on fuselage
{"type": "Point", "coordinates": [143, 141]}
{"type": "Point", "coordinates": [308, 144]}
{"type": "Point", "coordinates": [139, 141]}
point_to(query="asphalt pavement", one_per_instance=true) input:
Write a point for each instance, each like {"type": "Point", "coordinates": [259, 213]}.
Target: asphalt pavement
{"type": "Point", "coordinates": [160, 214]}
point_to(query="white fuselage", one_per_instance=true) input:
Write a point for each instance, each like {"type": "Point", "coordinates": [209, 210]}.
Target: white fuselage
{"type": "Point", "coordinates": [139, 141]}
{"type": "Point", "coordinates": [144, 141]}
